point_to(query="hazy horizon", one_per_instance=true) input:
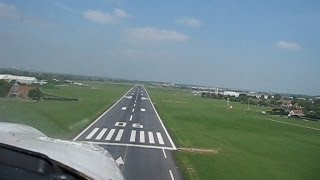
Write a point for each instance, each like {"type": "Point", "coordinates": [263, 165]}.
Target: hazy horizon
{"type": "Point", "coordinates": [267, 46]}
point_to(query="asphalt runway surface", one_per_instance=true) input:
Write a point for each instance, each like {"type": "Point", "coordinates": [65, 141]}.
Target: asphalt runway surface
{"type": "Point", "coordinates": [132, 131]}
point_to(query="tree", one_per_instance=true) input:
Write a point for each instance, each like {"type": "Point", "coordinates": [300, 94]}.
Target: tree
{"type": "Point", "coordinates": [35, 94]}
{"type": "Point", "coordinates": [317, 103]}
{"type": "Point", "coordinates": [263, 103]}
{"type": "Point", "coordinates": [4, 88]}
{"type": "Point", "coordinates": [243, 98]}
{"type": "Point", "coordinates": [277, 97]}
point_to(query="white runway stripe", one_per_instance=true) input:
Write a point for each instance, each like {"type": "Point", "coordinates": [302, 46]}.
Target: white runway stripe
{"type": "Point", "coordinates": [130, 118]}
{"type": "Point", "coordinates": [142, 139]}
{"type": "Point", "coordinates": [124, 108]}
{"type": "Point", "coordinates": [160, 138]}
{"type": "Point", "coordinates": [109, 136]}
{"type": "Point", "coordinates": [101, 133]}
{"type": "Point", "coordinates": [119, 135]}
{"type": "Point", "coordinates": [151, 139]}
{"type": "Point", "coordinates": [92, 133]}
{"type": "Point", "coordinates": [133, 136]}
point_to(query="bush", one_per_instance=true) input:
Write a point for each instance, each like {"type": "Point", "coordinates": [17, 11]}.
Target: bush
{"type": "Point", "coordinates": [4, 88]}
{"type": "Point", "coordinates": [35, 94]}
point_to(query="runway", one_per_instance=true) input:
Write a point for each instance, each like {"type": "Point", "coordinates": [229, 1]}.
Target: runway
{"type": "Point", "coordinates": [132, 131]}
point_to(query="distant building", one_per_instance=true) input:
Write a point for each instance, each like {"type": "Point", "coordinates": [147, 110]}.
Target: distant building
{"type": "Point", "coordinates": [231, 93]}
{"type": "Point", "coordinates": [286, 104]}
{"type": "Point", "coordinates": [296, 113]}
{"type": "Point", "coordinates": [43, 82]}
{"type": "Point", "coordinates": [20, 79]}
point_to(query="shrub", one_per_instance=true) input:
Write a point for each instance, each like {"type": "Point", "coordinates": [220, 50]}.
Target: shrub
{"type": "Point", "coordinates": [4, 88]}
{"type": "Point", "coordinates": [35, 94]}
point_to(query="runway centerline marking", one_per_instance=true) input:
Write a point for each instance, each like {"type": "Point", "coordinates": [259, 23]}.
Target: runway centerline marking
{"type": "Point", "coordinates": [124, 159]}
{"type": "Point", "coordinates": [130, 118]}
{"type": "Point", "coordinates": [132, 109]}
{"type": "Point", "coordinates": [164, 154]}
{"type": "Point", "coordinates": [101, 133]}
{"type": "Point", "coordinates": [92, 133]}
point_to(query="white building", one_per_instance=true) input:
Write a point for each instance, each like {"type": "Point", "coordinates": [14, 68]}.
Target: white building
{"type": "Point", "coordinates": [20, 79]}
{"type": "Point", "coordinates": [231, 93]}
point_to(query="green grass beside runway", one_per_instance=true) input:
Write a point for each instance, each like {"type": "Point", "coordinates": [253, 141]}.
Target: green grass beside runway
{"type": "Point", "coordinates": [249, 145]}
{"type": "Point", "coordinates": [64, 119]}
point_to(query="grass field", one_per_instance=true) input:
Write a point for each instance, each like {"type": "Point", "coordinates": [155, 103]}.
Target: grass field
{"type": "Point", "coordinates": [249, 144]}
{"type": "Point", "coordinates": [62, 119]}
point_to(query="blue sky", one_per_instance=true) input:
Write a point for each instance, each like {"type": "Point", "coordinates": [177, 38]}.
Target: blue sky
{"type": "Point", "coordinates": [259, 45]}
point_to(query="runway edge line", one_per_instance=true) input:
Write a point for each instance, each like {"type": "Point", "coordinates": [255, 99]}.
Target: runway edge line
{"type": "Point", "coordinates": [165, 130]}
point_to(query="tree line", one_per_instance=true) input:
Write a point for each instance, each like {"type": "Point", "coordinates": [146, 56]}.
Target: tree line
{"type": "Point", "coordinates": [310, 108]}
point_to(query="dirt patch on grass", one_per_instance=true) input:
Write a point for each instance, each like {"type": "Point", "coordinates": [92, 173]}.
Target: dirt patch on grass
{"type": "Point", "coordinates": [169, 101]}
{"type": "Point", "coordinates": [199, 151]}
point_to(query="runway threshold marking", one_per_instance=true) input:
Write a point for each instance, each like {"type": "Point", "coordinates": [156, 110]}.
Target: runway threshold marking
{"type": "Point", "coordinates": [110, 134]}
{"type": "Point", "coordinates": [142, 139]}
{"type": "Point", "coordinates": [160, 138]}
{"type": "Point", "coordinates": [151, 139]}
{"type": "Point", "coordinates": [92, 133]}
{"type": "Point", "coordinates": [101, 133]}
{"type": "Point", "coordinates": [103, 114]}
{"type": "Point", "coordinates": [133, 136]}
{"type": "Point", "coordinates": [119, 135]}
{"type": "Point", "coordinates": [130, 145]}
